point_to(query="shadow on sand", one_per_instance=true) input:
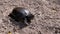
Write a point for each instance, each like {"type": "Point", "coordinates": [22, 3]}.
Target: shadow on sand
{"type": "Point", "coordinates": [21, 24]}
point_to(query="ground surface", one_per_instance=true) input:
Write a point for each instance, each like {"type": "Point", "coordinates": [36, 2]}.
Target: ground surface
{"type": "Point", "coordinates": [46, 21]}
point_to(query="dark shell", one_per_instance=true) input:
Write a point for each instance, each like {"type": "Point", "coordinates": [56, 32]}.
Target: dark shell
{"type": "Point", "coordinates": [20, 13]}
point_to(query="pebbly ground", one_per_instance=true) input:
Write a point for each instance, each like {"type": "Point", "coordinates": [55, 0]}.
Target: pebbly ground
{"type": "Point", "coordinates": [46, 20]}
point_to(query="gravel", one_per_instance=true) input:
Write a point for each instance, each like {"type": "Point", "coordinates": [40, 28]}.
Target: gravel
{"type": "Point", "coordinates": [46, 20]}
